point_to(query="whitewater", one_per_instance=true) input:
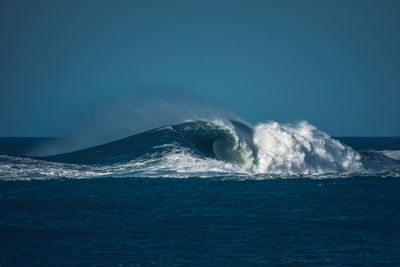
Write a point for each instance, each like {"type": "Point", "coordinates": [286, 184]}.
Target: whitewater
{"type": "Point", "coordinates": [208, 148]}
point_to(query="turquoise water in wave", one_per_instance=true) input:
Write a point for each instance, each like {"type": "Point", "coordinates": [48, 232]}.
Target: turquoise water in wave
{"type": "Point", "coordinates": [202, 193]}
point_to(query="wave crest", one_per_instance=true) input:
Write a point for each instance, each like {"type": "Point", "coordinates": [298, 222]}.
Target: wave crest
{"type": "Point", "coordinates": [301, 148]}
{"type": "Point", "coordinates": [267, 148]}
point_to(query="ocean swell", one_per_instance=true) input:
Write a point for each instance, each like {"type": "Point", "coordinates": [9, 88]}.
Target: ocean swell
{"type": "Point", "coordinates": [214, 148]}
{"type": "Point", "coordinates": [200, 149]}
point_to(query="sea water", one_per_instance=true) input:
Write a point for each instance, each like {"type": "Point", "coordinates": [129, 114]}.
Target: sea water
{"type": "Point", "coordinates": [204, 193]}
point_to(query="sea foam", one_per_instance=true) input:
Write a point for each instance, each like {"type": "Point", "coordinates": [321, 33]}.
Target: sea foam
{"type": "Point", "coordinates": [301, 148]}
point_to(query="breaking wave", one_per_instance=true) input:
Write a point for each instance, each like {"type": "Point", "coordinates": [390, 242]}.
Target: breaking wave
{"type": "Point", "coordinates": [302, 148]}
{"type": "Point", "coordinates": [209, 149]}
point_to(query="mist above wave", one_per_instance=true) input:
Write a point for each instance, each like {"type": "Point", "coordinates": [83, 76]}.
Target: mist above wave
{"type": "Point", "coordinates": [126, 115]}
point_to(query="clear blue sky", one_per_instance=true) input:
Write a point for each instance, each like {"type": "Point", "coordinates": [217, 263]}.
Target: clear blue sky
{"type": "Point", "coordinates": [333, 63]}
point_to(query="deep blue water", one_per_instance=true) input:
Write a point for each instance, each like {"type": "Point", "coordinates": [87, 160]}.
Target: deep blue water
{"type": "Point", "coordinates": [198, 194]}
{"type": "Point", "coordinates": [196, 221]}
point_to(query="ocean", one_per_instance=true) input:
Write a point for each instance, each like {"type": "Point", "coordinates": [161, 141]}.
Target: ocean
{"type": "Point", "coordinates": [219, 193]}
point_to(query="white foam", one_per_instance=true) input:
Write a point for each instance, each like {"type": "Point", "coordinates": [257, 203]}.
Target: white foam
{"type": "Point", "coordinates": [177, 163]}
{"type": "Point", "coordinates": [301, 148]}
{"type": "Point", "coordinates": [393, 154]}
{"type": "Point", "coordinates": [17, 168]}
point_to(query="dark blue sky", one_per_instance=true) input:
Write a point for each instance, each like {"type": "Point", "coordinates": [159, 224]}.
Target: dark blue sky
{"type": "Point", "coordinates": [335, 63]}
